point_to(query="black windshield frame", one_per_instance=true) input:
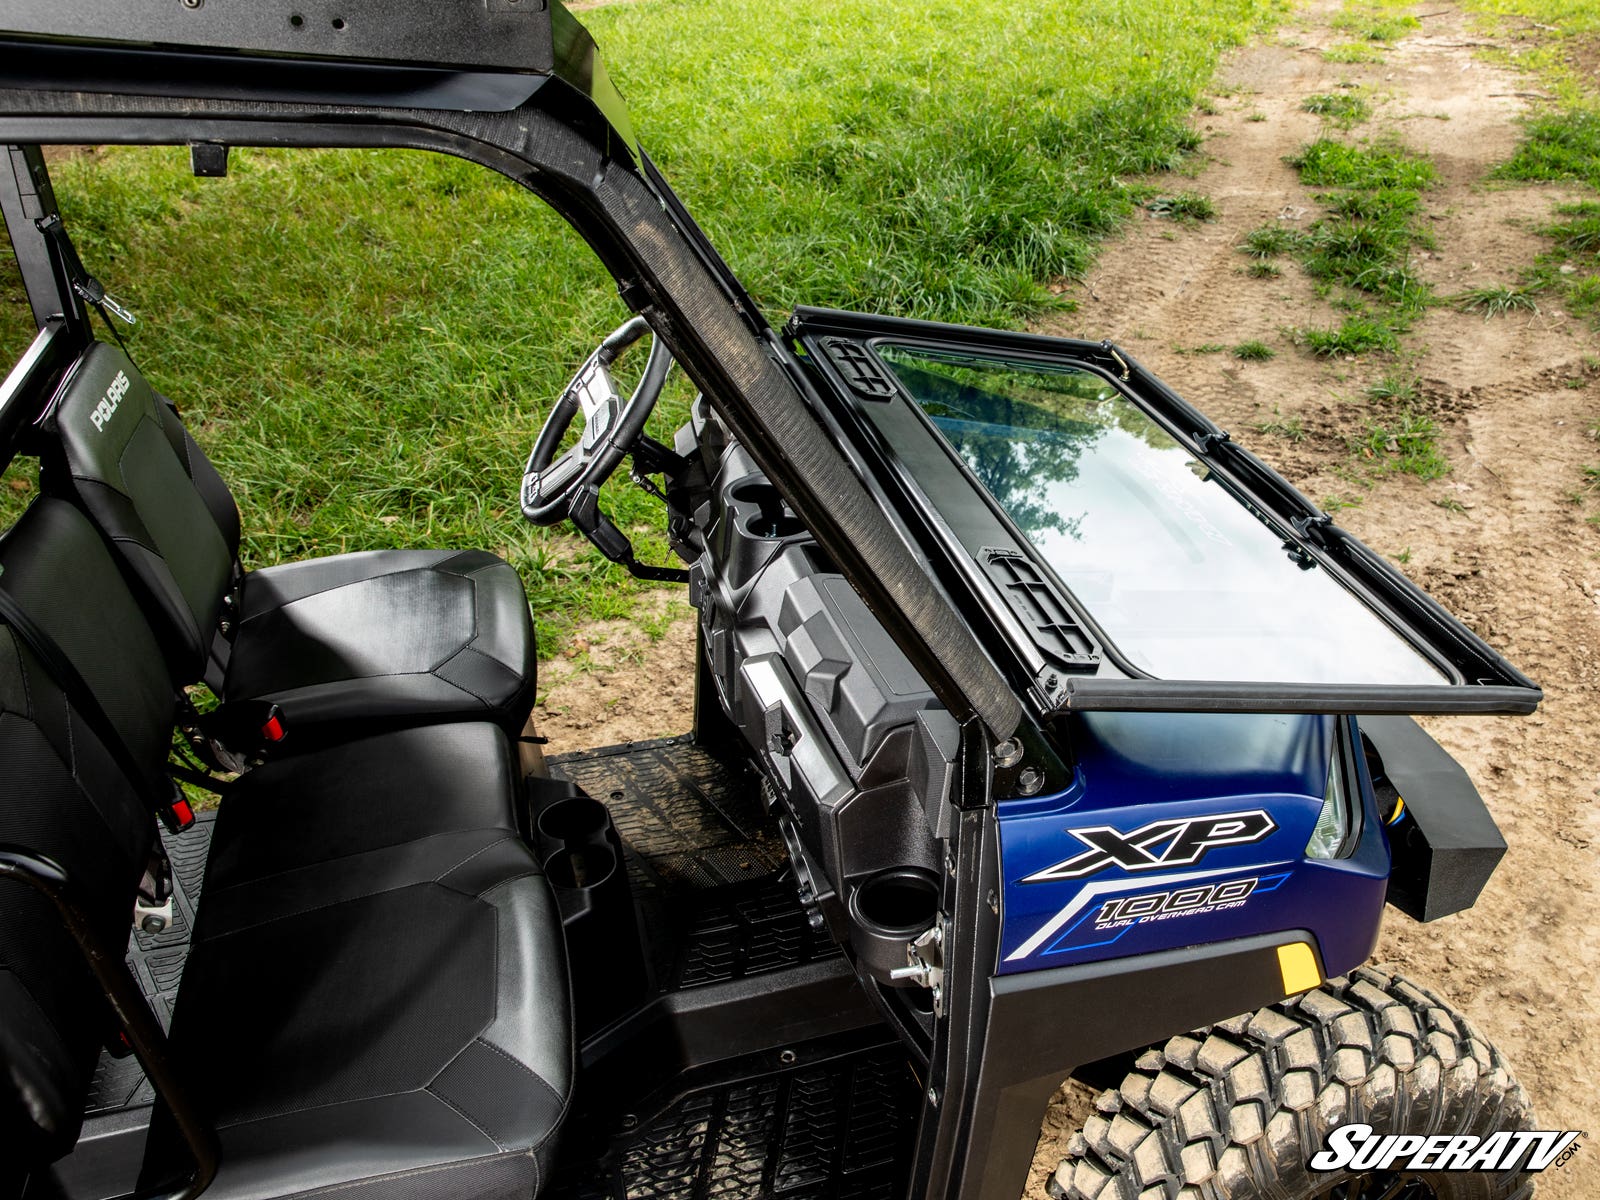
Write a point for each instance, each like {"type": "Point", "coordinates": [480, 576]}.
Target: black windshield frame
{"type": "Point", "coordinates": [1083, 668]}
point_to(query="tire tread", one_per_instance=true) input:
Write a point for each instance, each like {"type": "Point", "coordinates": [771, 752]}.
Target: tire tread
{"type": "Point", "coordinates": [1236, 1110]}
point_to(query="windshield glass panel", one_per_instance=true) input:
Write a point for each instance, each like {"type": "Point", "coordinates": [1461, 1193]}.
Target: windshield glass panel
{"type": "Point", "coordinates": [1185, 578]}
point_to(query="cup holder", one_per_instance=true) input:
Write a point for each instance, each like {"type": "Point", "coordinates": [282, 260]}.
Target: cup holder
{"type": "Point", "coordinates": [574, 822]}
{"type": "Point", "coordinates": [587, 867]}
{"type": "Point", "coordinates": [772, 518]}
{"type": "Point", "coordinates": [583, 862]}
{"type": "Point", "coordinates": [901, 902]}
{"type": "Point", "coordinates": [887, 912]}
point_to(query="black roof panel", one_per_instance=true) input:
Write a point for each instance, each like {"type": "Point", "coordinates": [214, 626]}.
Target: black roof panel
{"type": "Point", "coordinates": [476, 35]}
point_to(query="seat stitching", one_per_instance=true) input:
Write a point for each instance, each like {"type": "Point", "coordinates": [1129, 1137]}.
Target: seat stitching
{"type": "Point", "coordinates": [431, 1169]}
{"type": "Point", "coordinates": [132, 539]}
{"type": "Point", "coordinates": [309, 1108]}
{"type": "Point", "coordinates": [481, 850]}
{"type": "Point", "coordinates": [333, 587]}
{"type": "Point", "coordinates": [278, 1116]}
{"type": "Point", "coordinates": [434, 671]}
{"type": "Point", "coordinates": [532, 1074]}
{"type": "Point", "coordinates": [427, 837]}
{"type": "Point", "coordinates": [456, 1108]}
{"type": "Point", "coordinates": [499, 883]}
{"type": "Point", "coordinates": [316, 908]}
{"type": "Point", "coordinates": [72, 743]}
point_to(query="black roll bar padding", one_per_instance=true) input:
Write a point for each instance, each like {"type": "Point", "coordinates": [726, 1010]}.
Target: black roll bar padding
{"type": "Point", "coordinates": [132, 1010]}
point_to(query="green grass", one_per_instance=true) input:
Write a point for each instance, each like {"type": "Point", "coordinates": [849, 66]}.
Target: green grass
{"type": "Point", "coordinates": [1184, 206]}
{"type": "Point", "coordinates": [1579, 232]}
{"type": "Point", "coordinates": [1254, 351]}
{"type": "Point", "coordinates": [935, 160]}
{"type": "Point", "coordinates": [1356, 335]}
{"type": "Point", "coordinates": [1369, 256]}
{"type": "Point", "coordinates": [367, 342]}
{"type": "Point", "coordinates": [1360, 251]}
{"type": "Point", "coordinates": [1557, 147]}
{"type": "Point", "coordinates": [1291, 429]}
{"type": "Point", "coordinates": [1341, 108]}
{"type": "Point", "coordinates": [1376, 204]}
{"type": "Point", "coordinates": [1396, 388]}
{"type": "Point", "coordinates": [1495, 301]}
{"type": "Point", "coordinates": [1373, 26]}
{"type": "Point", "coordinates": [1265, 241]}
{"type": "Point", "coordinates": [1327, 162]}
{"type": "Point", "coordinates": [1568, 268]}
{"type": "Point", "coordinates": [1408, 444]}
{"type": "Point", "coordinates": [1542, 35]}
{"type": "Point", "coordinates": [1352, 52]}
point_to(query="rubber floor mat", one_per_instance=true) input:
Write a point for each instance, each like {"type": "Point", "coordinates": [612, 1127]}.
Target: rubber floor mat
{"type": "Point", "coordinates": [841, 1127]}
{"type": "Point", "coordinates": [705, 861]}
{"type": "Point", "coordinates": [157, 963]}
{"type": "Point", "coordinates": [691, 820]}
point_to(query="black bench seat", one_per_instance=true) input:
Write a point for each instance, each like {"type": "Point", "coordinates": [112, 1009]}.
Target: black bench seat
{"type": "Point", "coordinates": [376, 996]}
{"type": "Point", "coordinates": [370, 998]}
{"type": "Point", "coordinates": [343, 644]}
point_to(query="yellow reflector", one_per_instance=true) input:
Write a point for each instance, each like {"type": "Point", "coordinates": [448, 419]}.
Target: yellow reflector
{"type": "Point", "coordinates": [1299, 967]}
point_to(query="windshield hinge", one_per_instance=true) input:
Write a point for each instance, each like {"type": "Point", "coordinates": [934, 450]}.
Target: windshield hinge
{"type": "Point", "coordinates": [925, 963]}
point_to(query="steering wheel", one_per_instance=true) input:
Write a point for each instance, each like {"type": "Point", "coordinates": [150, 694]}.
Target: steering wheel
{"type": "Point", "coordinates": [555, 489]}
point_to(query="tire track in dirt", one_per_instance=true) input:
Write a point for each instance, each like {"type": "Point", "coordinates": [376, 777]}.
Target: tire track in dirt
{"type": "Point", "coordinates": [1497, 540]}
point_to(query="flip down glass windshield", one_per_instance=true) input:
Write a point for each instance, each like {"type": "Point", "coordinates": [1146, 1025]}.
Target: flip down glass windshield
{"type": "Point", "coordinates": [1124, 550]}
{"type": "Point", "coordinates": [1187, 582]}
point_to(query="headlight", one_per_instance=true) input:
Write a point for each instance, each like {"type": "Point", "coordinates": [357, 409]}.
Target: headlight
{"type": "Point", "coordinates": [1332, 830]}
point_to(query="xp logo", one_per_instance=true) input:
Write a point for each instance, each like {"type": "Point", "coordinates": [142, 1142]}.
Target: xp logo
{"type": "Point", "coordinates": [108, 404]}
{"type": "Point", "coordinates": [1176, 842]}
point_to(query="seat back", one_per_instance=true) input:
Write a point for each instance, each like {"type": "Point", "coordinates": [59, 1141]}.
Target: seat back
{"type": "Point", "coordinates": [162, 506]}
{"type": "Point", "coordinates": [62, 796]}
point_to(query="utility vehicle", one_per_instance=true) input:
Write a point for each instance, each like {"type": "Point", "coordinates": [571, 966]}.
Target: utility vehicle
{"type": "Point", "coordinates": [1041, 731]}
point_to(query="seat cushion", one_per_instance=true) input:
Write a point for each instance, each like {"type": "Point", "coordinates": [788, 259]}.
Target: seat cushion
{"type": "Point", "coordinates": [376, 991]}
{"type": "Point", "coordinates": [63, 796]}
{"type": "Point", "coordinates": [385, 636]}
{"type": "Point", "coordinates": [126, 459]}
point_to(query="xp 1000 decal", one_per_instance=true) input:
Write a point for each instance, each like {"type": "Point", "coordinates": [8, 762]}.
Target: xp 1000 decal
{"type": "Point", "coordinates": [1106, 870]}
{"type": "Point", "coordinates": [1171, 843]}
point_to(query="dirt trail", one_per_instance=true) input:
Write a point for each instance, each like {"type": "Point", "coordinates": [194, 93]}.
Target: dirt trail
{"type": "Point", "coordinates": [1516, 560]}
{"type": "Point", "coordinates": [1508, 552]}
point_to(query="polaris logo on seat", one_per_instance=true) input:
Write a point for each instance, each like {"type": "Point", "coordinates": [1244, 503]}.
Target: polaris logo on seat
{"type": "Point", "coordinates": [108, 404]}
{"type": "Point", "coordinates": [1178, 842]}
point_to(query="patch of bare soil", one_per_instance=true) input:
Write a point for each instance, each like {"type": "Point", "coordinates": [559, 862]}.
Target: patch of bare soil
{"type": "Point", "coordinates": [615, 682]}
{"type": "Point", "coordinates": [1497, 540]}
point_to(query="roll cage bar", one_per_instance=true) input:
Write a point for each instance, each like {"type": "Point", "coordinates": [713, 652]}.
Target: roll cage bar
{"type": "Point", "coordinates": [567, 139]}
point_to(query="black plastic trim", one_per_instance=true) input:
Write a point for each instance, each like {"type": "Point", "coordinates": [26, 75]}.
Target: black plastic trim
{"type": "Point", "coordinates": [1446, 844]}
{"type": "Point", "coordinates": [485, 34]}
{"type": "Point", "coordinates": [1043, 1025]}
{"type": "Point", "coordinates": [140, 71]}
